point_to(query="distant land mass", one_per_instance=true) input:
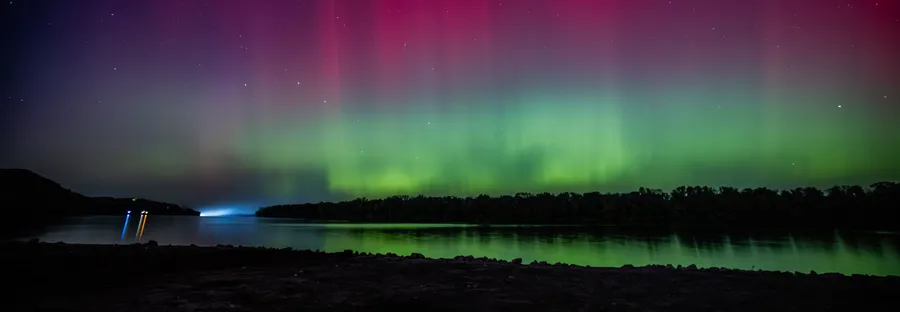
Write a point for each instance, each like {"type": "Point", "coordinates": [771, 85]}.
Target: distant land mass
{"type": "Point", "coordinates": [853, 207]}
{"type": "Point", "coordinates": [29, 199]}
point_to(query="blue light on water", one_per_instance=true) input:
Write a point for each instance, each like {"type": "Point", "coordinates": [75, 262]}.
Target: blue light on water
{"type": "Point", "coordinates": [125, 227]}
{"type": "Point", "coordinates": [227, 210]}
{"type": "Point", "coordinates": [217, 212]}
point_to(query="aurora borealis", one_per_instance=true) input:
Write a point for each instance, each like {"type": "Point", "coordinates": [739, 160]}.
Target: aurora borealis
{"type": "Point", "coordinates": [264, 102]}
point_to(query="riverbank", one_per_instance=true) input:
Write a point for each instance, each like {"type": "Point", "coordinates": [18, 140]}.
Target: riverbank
{"type": "Point", "coordinates": [185, 278]}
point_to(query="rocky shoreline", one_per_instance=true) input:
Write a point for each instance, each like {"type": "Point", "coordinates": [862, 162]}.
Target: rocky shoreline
{"type": "Point", "coordinates": [148, 277]}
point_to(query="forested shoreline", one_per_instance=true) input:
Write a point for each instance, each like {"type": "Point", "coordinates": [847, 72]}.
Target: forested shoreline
{"type": "Point", "coordinates": [839, 207]}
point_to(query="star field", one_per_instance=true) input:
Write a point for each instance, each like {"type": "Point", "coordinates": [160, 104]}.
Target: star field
{"type": "Point", "coordinates": [263, 102]}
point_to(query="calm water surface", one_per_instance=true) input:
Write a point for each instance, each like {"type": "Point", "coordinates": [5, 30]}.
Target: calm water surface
{"type": "Point", "coordinates": [848, 253]}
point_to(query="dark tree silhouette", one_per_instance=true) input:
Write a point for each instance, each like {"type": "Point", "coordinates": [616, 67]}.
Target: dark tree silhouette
{"type": "Point", "coordinates": [839, 207]}
{"type": "Point", "coordinates": [31, 200]}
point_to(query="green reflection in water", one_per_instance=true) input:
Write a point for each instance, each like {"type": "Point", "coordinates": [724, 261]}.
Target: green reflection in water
{"type": "Point", "coordinates": [785, 253]}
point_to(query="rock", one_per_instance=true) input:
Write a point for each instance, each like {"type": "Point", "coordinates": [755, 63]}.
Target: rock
{"type": "Point", "coordinates": [516, 261]}
{"type": "Point", "coordinates": [811, 272]}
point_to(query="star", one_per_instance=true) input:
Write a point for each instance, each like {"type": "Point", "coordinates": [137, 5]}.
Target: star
{"type": "Point", "coordinates": [245, 84]}
{"type": "Point", "coordinates": [115, 68]}
{"type": "Point", "coordinates": [298, 83]}
{"type": "Point", "coordinates": [839, 106]}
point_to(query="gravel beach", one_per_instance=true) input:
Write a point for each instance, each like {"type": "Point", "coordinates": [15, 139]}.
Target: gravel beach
{"type": "Point", "coordinates": [147, 277]}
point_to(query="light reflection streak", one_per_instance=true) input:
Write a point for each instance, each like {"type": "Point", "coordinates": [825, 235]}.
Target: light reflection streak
{"type": "Point", "coordinates": [125, 227]}
{"type": "Point", "coordinates": [143, 224]}
{"type": "Point", "coordinates": [140, 221]}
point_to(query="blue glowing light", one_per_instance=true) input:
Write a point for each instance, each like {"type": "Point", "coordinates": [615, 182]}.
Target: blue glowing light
{"type": "Point", "coordinates": [227, 210]}
{"type": "Point", "coordinates": [217, 212]}
{"type": "Point", "coordinates": [125, 227]}
{"type": "Point", "coordinates": [128, 212]}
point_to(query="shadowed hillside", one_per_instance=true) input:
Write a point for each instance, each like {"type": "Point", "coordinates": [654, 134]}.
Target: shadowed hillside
{"type": "Point", "coordinates": [839, 207]}
{"type": "Point", "coordinates": [30, 199]}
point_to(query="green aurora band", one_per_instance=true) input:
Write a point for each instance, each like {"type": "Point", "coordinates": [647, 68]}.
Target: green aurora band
{"type": "Point", "coordinates": [574, 141]}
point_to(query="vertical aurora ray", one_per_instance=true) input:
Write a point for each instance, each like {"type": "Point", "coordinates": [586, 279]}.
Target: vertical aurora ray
{"type": "Point", "coordinates": [269, 102]}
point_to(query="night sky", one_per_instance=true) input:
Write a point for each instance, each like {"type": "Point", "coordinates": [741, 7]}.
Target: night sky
{"type": "Point", "coordinates": [250, 103]}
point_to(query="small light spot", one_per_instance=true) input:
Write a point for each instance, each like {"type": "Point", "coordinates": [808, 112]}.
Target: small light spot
{"type": "Point", "coordinates": [324, 101]}
{"type": "Point", "coordinates": [115, 68]}
{"type": "Point", "coordinates": [839, 106]}
{"type": "Point", "coordinates": [245, 84]}
{"type": "Point", "coordinates": [298, 83]}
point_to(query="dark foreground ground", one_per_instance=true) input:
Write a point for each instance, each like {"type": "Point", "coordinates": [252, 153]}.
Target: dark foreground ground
{"type": "Point", "coordinates": [60, 277]}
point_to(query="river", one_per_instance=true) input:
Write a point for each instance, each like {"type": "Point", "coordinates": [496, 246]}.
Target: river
{"type": "Point", "coordinates": [841, 252]}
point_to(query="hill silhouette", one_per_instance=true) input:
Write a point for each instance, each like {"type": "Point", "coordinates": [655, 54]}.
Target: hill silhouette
{"type": "Point", "coordinates": [30, 199]}
{"type": "Point", "coordinates": [839, 207]}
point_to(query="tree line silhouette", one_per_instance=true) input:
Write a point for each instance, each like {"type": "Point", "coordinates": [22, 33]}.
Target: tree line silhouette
{"type": "Point", "coordinates": [838, 207]}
